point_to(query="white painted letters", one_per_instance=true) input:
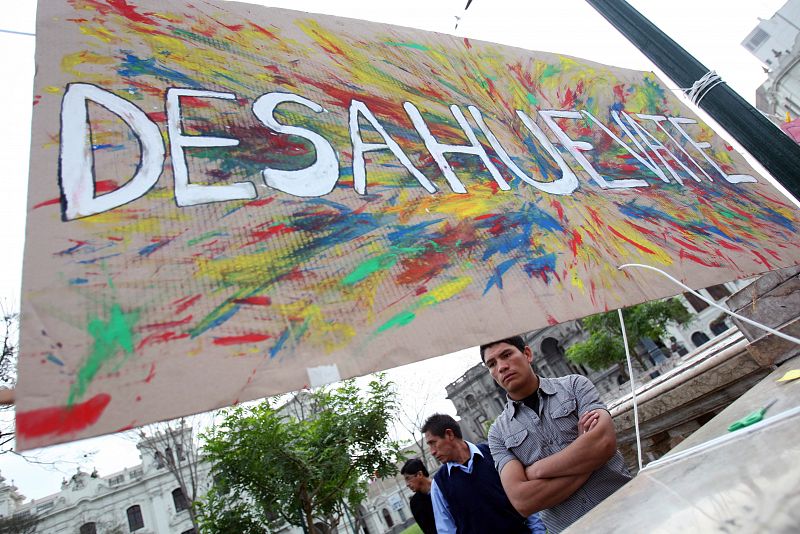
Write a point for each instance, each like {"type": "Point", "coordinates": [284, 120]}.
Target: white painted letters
{"type": "Point", "coordinates": [359, 147]}
{"type": "Point", "coordinates": [315, 180]}
{"type": "Point", "coordinates": [76, 159]}
{"type": "Point", "coordinates": [187, 194]}
{"type": "Point", "coordinates": [577, 147]}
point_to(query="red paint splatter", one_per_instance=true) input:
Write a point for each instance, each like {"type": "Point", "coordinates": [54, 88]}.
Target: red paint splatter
{"type": "Point", "coordinates": [157, 116]}
{"type": "Point", "coordinates": [551, 320]}
{"type": "Point", "coordinates": [237, 340]}
{"type": "Point", "coordinates": [168, 324]}
{"type": "Point", "coordinates": [263, 30]}
{"type": "Point", "coordinates": [257, 236]}
{"type": "Point", "coordinates": [61, 420]}
{"type": "Point", "coordinates": [423, 267]}
{"type": "Point", "coordinates": [421, 290]}
{"type": "Point", "coordinates": [641, 229]}
{"type": "Point", "coordinates": [184, 303]}
{"type": "Point", "coordinates": [631, 241]}
{"type": "Point", "coordinates": [261, 201]}
{"type": "Point", "coordinates": [762, 258]}
{"type": "Point", "coordinates": [163, 337]}
{"type": "Point", "coordinates": [48, 202]}
{"type": "Point", "coordinates": [559, 209]}
{"type": "Point", "coordinates": [575, 241]}
{"type": "Point", "coordinates": [104, 186]}
{"type": "Point", "coordinates": [688, 245]}
{"type": "Point", "coordinates": [138, 398]}
{"type": "Point", "coordinates": [255, 301]}
{"type": "Point", "coordinates": [467, 43]}
{"type": "Point", "coordinates": [152, 374]}
{"type": "Point", "coordinates": [692, 257]}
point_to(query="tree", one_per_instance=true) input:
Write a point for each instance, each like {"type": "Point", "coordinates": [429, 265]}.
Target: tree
{"type": "Point", "coordinates": [18, 524]}
{"type": "Point", "coordinates": [172, 446]}
{"type": "Point", "coordinates": [9, 322]}
{"type": "Point", "coordinates": [271, 467]}
{"type": "Point", "coordinates": [604, 346]}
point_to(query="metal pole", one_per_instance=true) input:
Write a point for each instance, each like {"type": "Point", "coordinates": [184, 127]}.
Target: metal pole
{"type": "Point", "coordinates": [778, 153]}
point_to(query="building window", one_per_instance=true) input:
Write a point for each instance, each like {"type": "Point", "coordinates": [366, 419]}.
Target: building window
{"type": "Point", "coordinates": [44, 507]}
{"type": "Point", "coordinates": [388, 518]}
{"type": "Point", "coordinates": [88, 528]}
{"type": "Point", "coordinates": [699, 338]}
{"type": "Point", "coordinates": [116, 481]}
{"type": "Point", "coordinates": [719, 327]}
{"type": "Point", "coordinates": [695, 302]}
{"type": "Point", "coordinates": [179, 500]}
{"type": "Point", "coordinates": [718, 292]}
{"type": "Point", "coordinates": [135, 519]}
{"type": "Point", "coordinates": [759, 36]}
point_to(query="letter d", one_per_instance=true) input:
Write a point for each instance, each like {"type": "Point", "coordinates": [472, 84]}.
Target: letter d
{"type": "Point", "coordinates": [76, 160]}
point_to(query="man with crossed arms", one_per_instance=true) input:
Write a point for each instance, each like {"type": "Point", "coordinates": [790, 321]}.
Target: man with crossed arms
{"type": "Point", "coordinates": [554, 445]}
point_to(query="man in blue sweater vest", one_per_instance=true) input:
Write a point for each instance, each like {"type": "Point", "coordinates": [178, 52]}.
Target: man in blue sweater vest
{"type": "Point", "coordinates": [466, 491]}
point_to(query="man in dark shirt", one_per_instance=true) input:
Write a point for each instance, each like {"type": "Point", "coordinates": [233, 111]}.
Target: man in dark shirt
{"type": "Point", "coordinates": [416, 476]}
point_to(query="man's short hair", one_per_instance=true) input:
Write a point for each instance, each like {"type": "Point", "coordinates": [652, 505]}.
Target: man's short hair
{"type": "Point", "coordinates": [438, 423]}
{"type": "Point", "coordinates": [516, 341]}
{"type": "Point", "coordinates": [414, 466]}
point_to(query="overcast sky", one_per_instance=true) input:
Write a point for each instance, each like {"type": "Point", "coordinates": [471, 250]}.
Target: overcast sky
{"type": "Point", "coordinates": [711, 30]}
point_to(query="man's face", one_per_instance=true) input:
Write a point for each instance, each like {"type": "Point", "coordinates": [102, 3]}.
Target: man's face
{"type": "Point", "coordinates": [443, 448]}
{"type": "Point", "coordinates": [414, 482]}
{"type": "Point", "coordinates": [510, 367]}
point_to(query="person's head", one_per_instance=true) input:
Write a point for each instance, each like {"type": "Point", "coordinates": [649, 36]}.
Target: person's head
{"type": "Point", "coordinates": [415, 475]}
{"type": "Point", "coordinates": [443, 436]}
{"type": "Point", "coordinates": [509, 362]}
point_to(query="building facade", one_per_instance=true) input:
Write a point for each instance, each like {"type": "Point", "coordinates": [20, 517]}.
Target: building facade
{"type": "Point", "coordinates": [775, 43]}
{"type": "Point", "coordinates": [145, 499]}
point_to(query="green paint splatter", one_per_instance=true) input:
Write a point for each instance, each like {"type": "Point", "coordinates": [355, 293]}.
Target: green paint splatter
{"type": "Point", "coordinates": [109, 337]}
{"type": "Point", "coordinates": [550, 70]}
{"type": "Point", "coordinates": [408, 45]}
{"type": "Point", "coordinates": [381, 263]}
{"type": "Point", "coordinates": [532, 99]}
{"type": "Point", "coordinates": [207, 235]}
{"type": "Point", "coordinates": [401, 319]}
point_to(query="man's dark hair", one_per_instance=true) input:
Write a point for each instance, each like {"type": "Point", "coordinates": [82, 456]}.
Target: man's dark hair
{"type": "Point", "coordinates": [414, 466]}
{"type": "Point", "coordinates": [516, 341]}
{"type": "Point", "coordinates": [438, 423]}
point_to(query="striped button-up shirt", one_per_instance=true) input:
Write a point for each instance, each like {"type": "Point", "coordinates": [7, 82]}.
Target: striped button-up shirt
{"type": "Point", "coordinates": [522, 434]}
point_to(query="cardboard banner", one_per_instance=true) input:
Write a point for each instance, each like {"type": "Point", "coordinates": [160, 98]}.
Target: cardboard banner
{"type": "Point", "coordinates": [228, 202]}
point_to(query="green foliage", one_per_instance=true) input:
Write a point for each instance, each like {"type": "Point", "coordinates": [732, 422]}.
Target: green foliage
{"type": "Point", "coordinates": [413, 529]}
{"type": "Point", "coordinates": [604, 347]}
{"type": "Point", "coordinates": [270, 467]}
{"type": "Point", "coordinates": [18, 524]}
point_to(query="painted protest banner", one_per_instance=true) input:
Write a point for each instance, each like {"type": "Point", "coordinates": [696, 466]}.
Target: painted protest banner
{"type": "Point", "coordinates": [228, 202]}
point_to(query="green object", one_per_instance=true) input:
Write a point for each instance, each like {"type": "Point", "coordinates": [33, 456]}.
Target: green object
{"type": "Point", "coordinates": [751, 419]}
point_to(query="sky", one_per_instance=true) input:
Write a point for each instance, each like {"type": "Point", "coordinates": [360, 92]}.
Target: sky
{"type": "Point", "coordinates": [711, 30]}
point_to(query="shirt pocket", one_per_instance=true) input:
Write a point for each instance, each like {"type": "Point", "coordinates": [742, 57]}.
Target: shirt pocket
{"type": "Point", "coordinates": [516, 444]}
{"type": "Point", "coordinates": [565, 420]}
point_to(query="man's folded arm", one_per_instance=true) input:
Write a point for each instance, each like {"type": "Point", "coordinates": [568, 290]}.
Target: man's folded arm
{"type": "Point", "coordinates": [529, 496]}
{"type": "Point", "coordinates": [587, 453]}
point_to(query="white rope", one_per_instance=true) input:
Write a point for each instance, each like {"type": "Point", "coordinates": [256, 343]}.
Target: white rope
{"type": "Point", "coordinates": [714, 304]}
{"type": "Point", "coordinates": [701, 87]}
{"type": "Point", "coordinates": [633, 390]}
